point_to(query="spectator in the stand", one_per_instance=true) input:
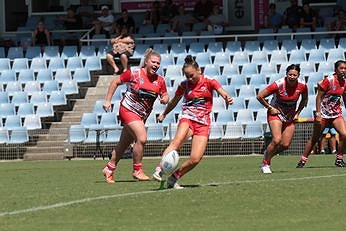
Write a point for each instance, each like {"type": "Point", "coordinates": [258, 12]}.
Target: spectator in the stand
{"type": "Point", "coordinates": [168, 11]}
{"type": "Point", "coordinates": [183, 21]}
{"type": "Point", "coordinates": [125, 21]}
{"type": "Point", "coordinates": [203, 9]}
{"type": "Point", "coordinates": [104, 23]}
{"type": "Point", "coordinates": [146, 18]}
{"type": "Point", "coordinates": [86, 12]}
{"type": "Point", "coordinates": [155, 14]}
{"type": "Point", "coordinates": [340, 23]}
{"type": "Point", "coordinates": [216, 22]}
{"type": "Point", "coordinates": [41, 35]}
{"type": "Point", "coordinates": [273, 19]}
{"type": "Point", "coordinates": [122, 47]}
{"type": "Point", "coordinates": [308, 17]}
{"type": "Point", "coordinates": [71, 21]}
{"type": "Point", "coordinates": [292, 15]}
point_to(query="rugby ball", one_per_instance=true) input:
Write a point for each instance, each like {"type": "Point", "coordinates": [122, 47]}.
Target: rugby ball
{"type": "Point", "coordinates": [169, 162]}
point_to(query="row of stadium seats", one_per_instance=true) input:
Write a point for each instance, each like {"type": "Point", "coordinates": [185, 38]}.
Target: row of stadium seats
{"type": "Point", "coordinates": [24, 76]}
{"type": "Point", "coordinates": [15, 136]}
{"type": "Point", "coordinates": [92, 63]}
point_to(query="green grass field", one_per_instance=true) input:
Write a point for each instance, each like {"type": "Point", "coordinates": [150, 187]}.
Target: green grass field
{"type": "Point", "coordinates": [222, 193]}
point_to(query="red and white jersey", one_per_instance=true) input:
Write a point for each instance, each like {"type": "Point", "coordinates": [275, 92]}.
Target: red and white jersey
{"type": "Point", "coordinates": [198, 99]}
{"type": "Point", "coordinates": [331, 102]}
{"type": "Point", "coordinates": [285, 97]}
{"type": "Point", "coordinates": [142, 91]}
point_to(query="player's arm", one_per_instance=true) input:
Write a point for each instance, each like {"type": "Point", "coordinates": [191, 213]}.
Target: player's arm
{"type": "Point", "coordinates": [111, 89]}
{"type": "Point", "coordinates": [302, 104]}
{"type": "Point", "coordinates": [170, 106]}
{"type": "Point", "coordinates": [319, 97]}
{"type": "Point", "coordinates": [261, 97]}
{"type": "Point", "coordinates": [228, 99]}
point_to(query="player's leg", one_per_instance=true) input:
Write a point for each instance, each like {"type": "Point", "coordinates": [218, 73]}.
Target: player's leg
{"type": "Point", "coordinates": [139, 133]}
{"type": "Point", "coordinates": [198, 146]}
{"type": "Point", "coordinates": [318, 127]}
{"type": "Point", "coordinates": [182, 134]}
{"type": "Point", "coordinates": [275, 129]}
{"type": "Point", "coordinates": [126, 138]}
{"type": "Point", "coordinates": [340, 126]}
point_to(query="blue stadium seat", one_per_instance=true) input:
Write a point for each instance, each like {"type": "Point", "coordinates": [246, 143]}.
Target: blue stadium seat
{"type": "Point", "coordinates": [70, 87]}
{"type": "Point", "coordinates": [178, 48]}
{"type": "Point", "coordinates": [51, 85]}
{"type": "Point", "coordinates": [211, 70]}
{"type": "Point", "coordinates": [19, 97]}
{"type": "Point", "coordinates": [20, 64]}
{"type": "Point", "coordinates": [297, 56]}
{"type": "Point", "coordinates": [69, 51]}
{"type": "Point", "coordinates": [56, 63]}
{"type": "Point", "coordinates": [251, 46]}
{"type": "Point", "coordinates": [38, 97]}
{"type": "Point", "coordinates": [249, 69]}
{"type": "Point", "coordinates": [113, 135]}
{"type": "Point", "coordinates": [253, 130]}
{"type": "Point", "coordinates": [33, 52]}
{"type": "Point", "coordinates": [87, 51]}
{"type": "Point", "coordinates": [4, 136]}
{"type": "Point", "coordinates": [240, 57]}
{"type": "Point", "coordinates": [259, 57]}
{"type": "Point", "coordinates": [5, 64]}
{"type": "Point", "coordinates": [51, 52]}
{"type": "Point", "coordinates": [233, 130]}
{"type": "Point", "coordinates": [222, 58]}
{"type": "Point", "coordinates": [270, 45]}
{"type": "Point", "coordinates": [15, 52]}
{"type": "Point", "coordinates": [62, 75]}
{"type": "Point", "coordinates": [162, 48]}
{"type": "Point", "coordinates": [203, 58]}
{"type": "Point", "coordinates": [233, 46]}
{"type": "Point", "coordinates": [31, 87]}
{"type": "Point", "coordinates": [57, 98]}
{"type": "Point", "coordinates": [38, 64]}
{"type": "Point", "coordinates": [214, 47]}
{"type": "Point", "coordinates": [316, 55]}
{"type": "Point", "coordinates": [93, 63]}
{"type": "Point", "coordinates": [335, 54]}
{"type": "Point", "coordinates": [26, 75]}
{"type": "Point", "coordinates": [7, 109]}
{"type": "Point", "coordinates": [77, 134]}
{"type": "Point", "coordinates": [2, 52]}
{"type": "Point", "coordinates": [325, 67]}
{"type": "Point", "coordinates": [89, 119]}
{"type": "Point", "coordinates": [45, 110]}
{"type": "Point", "coordinates": [195, 48]}
{"type": "Point", "coordinates": [268, 69]}
{"type": "Point", "coordinates": [19, 136]}
{"type": "Point", "coordinates": [81, 75]}
{"type": "Point", "coordinates": [25, 109]}
{"type": "Point", "coordinates": [32, 122]}
{"type": "Point", "coordinates": [74, 62]}
{"type": "Point", "coordinates": [244, 116]}
{"type": "Point", "coordinates": [278, 56]}
{"type": "Point", "coordinates": [216, 131]}
{"type": "Point", "coordinates": [155, 132]}
{"type": "Point", "coordinates": [308, 44]}
{"type": "Point", "coordinates": [44, 75]}
{"type": "Point", "coordinates": [13, 121]}
{"type": "Point", "coordinates": [230, 69]}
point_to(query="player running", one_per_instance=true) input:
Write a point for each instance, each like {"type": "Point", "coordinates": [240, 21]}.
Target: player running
{"type": "Point", "coordinates": [329, 112]}
{"type": "Point", "coordinates": [145, 85]}
{"type": "Point", "coordinates": [282, 111]}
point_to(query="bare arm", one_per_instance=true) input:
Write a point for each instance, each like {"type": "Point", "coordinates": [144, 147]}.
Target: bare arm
{"type": "Point", "coordinates": [261, 98]}
{"type": "Point", "coordinates": [228, 99]}
{"type": "Point", "coordinates": [111, 89]}
{"type": "Point", "coordinates": [301, 106]}
{"type": "Point", "coordinates": [319, 96]}
{"type": "Point", "coordinates": [170, 106]}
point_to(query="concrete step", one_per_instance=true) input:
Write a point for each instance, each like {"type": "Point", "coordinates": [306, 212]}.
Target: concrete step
{"type": "Point", "coordinates": [52, 149]}
{"type": "Point", "coordinates": [44, 156]}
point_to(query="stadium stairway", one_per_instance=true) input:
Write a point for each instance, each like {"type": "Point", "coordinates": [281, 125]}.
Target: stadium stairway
{"type": "Point", "coordinates": [50, 146]}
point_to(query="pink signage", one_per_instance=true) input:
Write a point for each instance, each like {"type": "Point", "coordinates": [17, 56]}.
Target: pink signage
{"type": "Point", "coordinates": [146, 5]}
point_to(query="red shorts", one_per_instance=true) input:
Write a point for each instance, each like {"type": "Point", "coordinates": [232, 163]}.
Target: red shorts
{"type": "Point", "coordinates": [126, 116]}
{"type": "Point", "coordinates": [327, 121]}
{"type": "Point", "coordinates": [198, 129]}
{"type": "Point", "coordinates": [276, 117]}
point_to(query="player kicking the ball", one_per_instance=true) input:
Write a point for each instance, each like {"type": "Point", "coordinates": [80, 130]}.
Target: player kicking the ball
{"type": "Point", "coordinates": [195, 120]}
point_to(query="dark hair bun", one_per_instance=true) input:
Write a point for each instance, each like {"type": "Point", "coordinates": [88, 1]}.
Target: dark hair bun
{"type": "Point", "coordinates": [189, 59]}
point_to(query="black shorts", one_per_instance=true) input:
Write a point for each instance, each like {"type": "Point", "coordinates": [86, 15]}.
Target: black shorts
{"type": "Point", "coordinates": [117, 55]}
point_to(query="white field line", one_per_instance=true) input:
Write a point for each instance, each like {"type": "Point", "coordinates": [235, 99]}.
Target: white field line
{"type": "Point", "coordinates": [90, 199]}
